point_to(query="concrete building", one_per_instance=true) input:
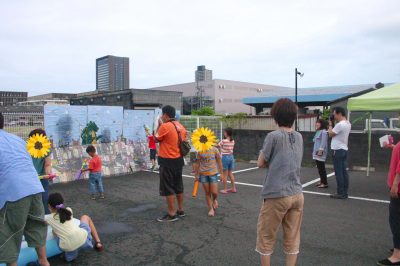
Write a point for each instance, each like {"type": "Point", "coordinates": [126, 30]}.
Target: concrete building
{"type": "Point", "coordinates": [225, 96]}
{"type": "Point", "coordinates": [112, 73]}
{"type": "Point", "coordinates": [11, 98]}
{"type": "Point", "coordinates": [202, 74]}
{"type": "Point", "coordinates": [43, 102]}
{"type": "Point", "coordinates": [130, 99]}
{"type": "Point", "coordinates": [52, 96]}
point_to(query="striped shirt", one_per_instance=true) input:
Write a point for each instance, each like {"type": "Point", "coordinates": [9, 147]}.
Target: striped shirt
{"type": "Point", "coordinates": [208, 161]}
{"type": "Point", "coordinates": [227, 146]}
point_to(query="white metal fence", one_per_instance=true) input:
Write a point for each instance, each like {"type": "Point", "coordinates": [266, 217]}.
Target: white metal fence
{"type": "Point", "coordinates": [21, 124]}
{"type": "Point", "coordinates": [212, 122]}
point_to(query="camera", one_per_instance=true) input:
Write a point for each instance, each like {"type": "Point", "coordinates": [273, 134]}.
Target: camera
{"type": "Point", "coordinates": [332, 119]}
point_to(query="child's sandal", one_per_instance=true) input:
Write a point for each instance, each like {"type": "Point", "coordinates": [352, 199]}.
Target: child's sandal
{"type": "Point", "coordinates": [99, 246]}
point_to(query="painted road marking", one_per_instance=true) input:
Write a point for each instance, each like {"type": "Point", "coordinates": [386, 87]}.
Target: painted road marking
{"type": "Point", "coordinates": [245, 170]}
{"type": "Point", "coordinates": [304, 191]}
{"type": "Point", "coordinates": [315, 180]}
{"type": "Point", "coordinates": [350, 197]}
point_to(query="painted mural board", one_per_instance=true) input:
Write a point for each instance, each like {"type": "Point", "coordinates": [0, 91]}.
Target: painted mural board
{"type": "Point", "coordinates": [104, 124]}
{"type": "Point", "coordinates": [64, 124]}
{"type": "Point", "coordinates": [135, 122]}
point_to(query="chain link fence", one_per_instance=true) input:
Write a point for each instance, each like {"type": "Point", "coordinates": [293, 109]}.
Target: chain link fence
{"type": "Point", "coordinates": [214, 123]}
{"type": "Point", "coordinates": [21, 124]}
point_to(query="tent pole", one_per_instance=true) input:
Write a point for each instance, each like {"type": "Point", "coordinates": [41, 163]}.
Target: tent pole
{"type": "Point", "coordinates": [369, 143]}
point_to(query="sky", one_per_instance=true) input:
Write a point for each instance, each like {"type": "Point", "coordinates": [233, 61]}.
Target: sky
{"type": "Point", "coordinates": [51, 46]}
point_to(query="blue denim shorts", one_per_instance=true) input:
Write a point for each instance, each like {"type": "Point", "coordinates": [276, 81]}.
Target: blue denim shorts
{"type": "Point", "coordinates": [209, 179]}
{"type": "Point", "coordinates": [69, 256]}
{"type": "Point", "coordinates": [228, 162]}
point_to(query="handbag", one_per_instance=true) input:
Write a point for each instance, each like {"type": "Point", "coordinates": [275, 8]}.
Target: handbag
{"type": "Point", "coordinates": [183, 145]}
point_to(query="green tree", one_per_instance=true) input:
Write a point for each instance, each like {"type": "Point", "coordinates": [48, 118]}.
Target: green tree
{"type": "Point", "coordinates": [325, 114]}
{"type": "Point", "coordinates": [205, 111]}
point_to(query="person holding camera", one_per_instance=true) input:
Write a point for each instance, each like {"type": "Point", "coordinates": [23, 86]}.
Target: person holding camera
{"type": "Point", "coordinates": [169, 134]}
{"type": "Point", "coordinates": [339, 132]}
{"type": "Point", "coordinates": [320, 150]}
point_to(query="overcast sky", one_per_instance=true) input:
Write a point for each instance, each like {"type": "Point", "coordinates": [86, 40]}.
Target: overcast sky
{"type": "Point", "coordinates": [51, 46]}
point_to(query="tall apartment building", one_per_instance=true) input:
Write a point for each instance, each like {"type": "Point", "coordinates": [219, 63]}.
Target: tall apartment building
{"type": "Point", "coordinates": [202, 74]}
{"type": "Point", "coordinates": [112, 73]}
{"type": "Point", "coordinates": [10, 98]}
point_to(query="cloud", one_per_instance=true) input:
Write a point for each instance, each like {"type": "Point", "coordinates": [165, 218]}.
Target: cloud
{"type": "Point", "coordinates": [51, 46]}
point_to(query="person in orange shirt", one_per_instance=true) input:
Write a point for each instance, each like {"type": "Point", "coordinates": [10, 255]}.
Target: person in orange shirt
{"type": "Point", "coordinates": [95, 175]}
{"type": "Point", "coordinates": [171, 163]}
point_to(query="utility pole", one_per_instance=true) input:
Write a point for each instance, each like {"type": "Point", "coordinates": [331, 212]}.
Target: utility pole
{"type": "Point", "coordinates": [296, 73]}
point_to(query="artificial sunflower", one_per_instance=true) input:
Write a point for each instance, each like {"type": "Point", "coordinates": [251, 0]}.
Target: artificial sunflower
{"type": "Point", "coordinates": [38, 146]}
{"type": "Point", "coordinates": [203, 139]}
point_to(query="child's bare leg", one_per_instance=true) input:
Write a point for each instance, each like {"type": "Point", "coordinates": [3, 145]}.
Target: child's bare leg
{"type": "Point", "coordinates": [86, 219]}
{"type": "Point", "coordinates": [214, 194]}
{"type": "Point", "coordinates": [206, 187]}
{"type": "Point", "coordinates": [232, 178]}
{"type": "Point", "coordinates": [224, 179]}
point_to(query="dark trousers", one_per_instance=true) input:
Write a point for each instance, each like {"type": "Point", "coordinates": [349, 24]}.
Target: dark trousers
{"type": "Point", "coordinates": [322, 172]}
{"type": "Point", "coordinates": [342, 177]}
{"type": "Point", "coordinates": [394, 221]}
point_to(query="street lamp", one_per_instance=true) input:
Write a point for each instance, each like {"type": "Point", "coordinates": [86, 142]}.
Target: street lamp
{"type": "Point", "coordinates": [297, 73]}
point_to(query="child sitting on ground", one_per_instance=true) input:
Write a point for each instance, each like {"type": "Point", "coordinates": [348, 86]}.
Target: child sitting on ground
{"type": "Point", "coordinates": [208, 166]}
{"type": "Point", "coordinates": [71, 238]}
{"type": "Point", "coordinates": [95, 175]}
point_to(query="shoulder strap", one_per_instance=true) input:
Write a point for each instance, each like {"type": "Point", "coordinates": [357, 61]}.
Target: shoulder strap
{"type": "Point", "coordinates": [177, 131]}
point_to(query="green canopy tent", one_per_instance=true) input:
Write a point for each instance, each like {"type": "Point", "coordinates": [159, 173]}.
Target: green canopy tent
{"type": "Point", "coordinates": [385, 99]}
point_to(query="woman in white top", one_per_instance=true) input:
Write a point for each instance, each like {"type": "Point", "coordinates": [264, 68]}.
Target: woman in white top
{"type": "Point", "coordinates": [228, 161]}
{"type": "Point", "coordinates": [71, 237]}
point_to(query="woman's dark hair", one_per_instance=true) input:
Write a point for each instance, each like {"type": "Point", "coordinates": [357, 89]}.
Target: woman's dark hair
{"type": "Point", "coordinates": [90, 148]}
{"type": "Point", "coordinates": [56, 201]}
{"type": "Point", "coordinates": [284, 112]}
{"type": "Point", "coordinates": [169, 110]}
{"type": "Point", "coordinates": [323, 124]}
{"type": "Point", "coordinates": [37, 131]}
{"type": "Point", "coordinates": [1, 121]}
{"type": "Point", "coordinates": [229, 132]}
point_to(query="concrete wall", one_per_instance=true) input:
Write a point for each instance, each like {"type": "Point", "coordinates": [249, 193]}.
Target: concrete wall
{"type": "Point", "coordinates": [249, 143]}
{"type": "Point", "coordinates": [145, 98]}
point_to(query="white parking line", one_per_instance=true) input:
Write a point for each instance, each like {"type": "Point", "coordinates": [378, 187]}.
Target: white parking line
{"type": "Point", "coordinates": [315, 180]}
{"type": "Point", "coordinates": [350, 197]}
{"type": "Point", "coordinates": [245, 170]}
{"type": "Point", "coordinates": [304, 191]}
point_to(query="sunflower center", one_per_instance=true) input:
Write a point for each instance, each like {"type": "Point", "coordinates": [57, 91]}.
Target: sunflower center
{"type": "Point", "coordinates": [203, 139]}
{"type": "Point", "coordinates": [38, 145]}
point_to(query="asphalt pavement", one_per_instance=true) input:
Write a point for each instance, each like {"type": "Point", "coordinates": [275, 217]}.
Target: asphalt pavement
{"type": "Point", "coordinates": [334, 232]}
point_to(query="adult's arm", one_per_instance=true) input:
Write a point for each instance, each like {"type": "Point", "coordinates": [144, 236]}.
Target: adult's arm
{"type": "Point", "coordinates": [47, 165]}
{"type": "Point", "coordinates": [331, 133]}
{"type": "Point", "coordinates": [394, 190]}
{"type": "Point", "coordinates": [324, 140]}
{"type": "Point", "coordinates": [261, 162]}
